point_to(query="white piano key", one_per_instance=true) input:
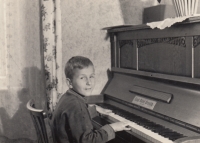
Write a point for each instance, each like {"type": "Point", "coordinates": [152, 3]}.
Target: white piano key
{"type": "Point", "coordinates": [148, 134]}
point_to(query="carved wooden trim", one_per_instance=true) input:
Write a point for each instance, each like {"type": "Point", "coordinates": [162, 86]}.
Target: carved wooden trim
{"type": "Point", "coordinates": [180, 41]}
{"type": "Point", "coordinates": [112, 37]}
{"type": "Point", "coordinates": [196, 40]}
{"type": "Point", "coordinates": [124, 42]}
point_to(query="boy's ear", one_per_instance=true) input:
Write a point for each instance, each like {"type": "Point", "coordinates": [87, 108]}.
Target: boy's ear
{"type": "Point", "coordinates": [69, 83]}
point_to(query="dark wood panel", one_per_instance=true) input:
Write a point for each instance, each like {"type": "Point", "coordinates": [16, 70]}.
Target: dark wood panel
{"type": "Point", "coordinates": [188, 56]}
{"type": "Point", "coordinates": [113, 49]}
{"type": "Point", "coordinates": [194, 81]}
{"type": "Point", "coordinates": [163, 58]}
{"type": "Point", "coordinates": [197, 56]}
{"type": "Point", "coordinates": [128, 55]}
{"type": "Point", "coordinates": [117, 52]}
{"type": "Point", "coordinates": [171, 55]}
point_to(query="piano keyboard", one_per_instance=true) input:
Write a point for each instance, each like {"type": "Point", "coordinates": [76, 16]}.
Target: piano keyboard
{"type": "Point", "coordinates": [143, 127]}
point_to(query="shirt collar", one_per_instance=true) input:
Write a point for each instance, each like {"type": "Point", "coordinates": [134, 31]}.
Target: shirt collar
{"type": "Point", "coordinates": [80, 96]}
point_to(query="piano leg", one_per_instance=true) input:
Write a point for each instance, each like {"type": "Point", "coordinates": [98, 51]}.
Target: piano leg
{"type": "Point", "coordinates": [121, 137]}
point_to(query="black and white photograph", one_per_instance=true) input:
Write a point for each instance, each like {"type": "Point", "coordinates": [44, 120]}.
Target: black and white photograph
{"type": "Point", "coordinates": [99, 71]}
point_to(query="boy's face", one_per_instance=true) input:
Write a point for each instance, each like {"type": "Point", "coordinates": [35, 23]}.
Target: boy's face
{"type": "Point", "coordinates": [84, 80]}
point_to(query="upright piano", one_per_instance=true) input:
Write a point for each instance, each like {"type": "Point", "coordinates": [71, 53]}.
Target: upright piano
{"type": "Point", "coordinates": [155, 83]}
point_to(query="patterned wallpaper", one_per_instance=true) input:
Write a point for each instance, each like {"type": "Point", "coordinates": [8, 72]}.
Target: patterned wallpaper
{"type": "Point", "coordinates": [82, 21]}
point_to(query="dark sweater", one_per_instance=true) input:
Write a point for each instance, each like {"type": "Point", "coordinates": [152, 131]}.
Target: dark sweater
{"type": "Point", "coordinates": [71, 122]}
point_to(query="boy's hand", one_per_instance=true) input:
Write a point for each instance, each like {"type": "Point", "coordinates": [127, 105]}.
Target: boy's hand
{"type": "Point", "coordinates": [119, 126]}
{"type": "Point", "coordinates": [103, 111]}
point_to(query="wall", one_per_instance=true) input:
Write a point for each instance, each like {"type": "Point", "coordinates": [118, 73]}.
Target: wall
{"type": "Point", "coordinates": [25, 79]}
{"type": "Point", "coordinates": [82, 34]}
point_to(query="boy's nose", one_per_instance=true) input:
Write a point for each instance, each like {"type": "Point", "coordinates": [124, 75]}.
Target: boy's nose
{"type": "Point", "coordinates": [88, 81]}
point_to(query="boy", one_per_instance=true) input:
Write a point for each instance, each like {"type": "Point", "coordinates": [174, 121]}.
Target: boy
{"type": "Point", "coordinates": [71, 122]}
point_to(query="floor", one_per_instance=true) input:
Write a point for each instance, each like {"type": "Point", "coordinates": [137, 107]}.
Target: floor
{"type": "Point", "coordinates": [4, 139]}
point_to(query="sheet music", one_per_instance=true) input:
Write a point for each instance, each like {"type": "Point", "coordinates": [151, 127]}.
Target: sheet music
{"type": "Point", "coordinates": [168, 22]}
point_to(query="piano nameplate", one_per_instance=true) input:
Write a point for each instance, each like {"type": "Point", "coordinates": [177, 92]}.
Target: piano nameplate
{"type": "Point", "coordinates": [146, 103]}
{"type": "Point", "coordinates": [152, 93]}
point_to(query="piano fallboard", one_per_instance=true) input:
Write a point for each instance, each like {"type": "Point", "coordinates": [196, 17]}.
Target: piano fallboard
{"type": "Point", "coordinates": [182, 111]}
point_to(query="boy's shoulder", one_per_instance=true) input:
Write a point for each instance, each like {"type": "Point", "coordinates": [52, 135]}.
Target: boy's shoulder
{"type": "Point", "coordinates": [67, 103]}
{"type": "Point", "coordinates": [70, 99]}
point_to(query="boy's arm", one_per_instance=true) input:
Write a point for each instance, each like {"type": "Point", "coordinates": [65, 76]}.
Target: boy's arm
{"type": "Point", "coordinates": [91, 101]}
{"type": "Point", "coordinates": [82, 128]}
{"type": "Point", "coordinates": [92, 110]}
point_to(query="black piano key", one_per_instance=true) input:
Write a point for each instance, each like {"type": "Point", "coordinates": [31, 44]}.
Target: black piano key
{"type": "Point", "coordinates": [168, 133]}
{"type": "Point", "coordinates": [157, 130]}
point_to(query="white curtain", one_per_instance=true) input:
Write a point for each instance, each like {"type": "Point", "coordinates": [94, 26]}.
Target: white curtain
{"type": "Point", "coordinates": [52, 46]}
{"type": "Point", "coordinates": [21, 74]}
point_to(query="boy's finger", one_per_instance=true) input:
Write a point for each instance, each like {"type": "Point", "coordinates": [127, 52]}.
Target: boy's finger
{"type": "Point", "coordinates": [127, 128]}
{"type": "Point", "coordinates": [108, 111]}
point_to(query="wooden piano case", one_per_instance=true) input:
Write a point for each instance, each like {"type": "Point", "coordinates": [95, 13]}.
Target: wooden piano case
{"type": "Point", "coordinates": [162, 64]}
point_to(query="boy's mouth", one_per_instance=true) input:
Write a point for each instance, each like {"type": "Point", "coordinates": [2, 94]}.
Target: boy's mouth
{"type": "Point", "coordinates": [88, 88]}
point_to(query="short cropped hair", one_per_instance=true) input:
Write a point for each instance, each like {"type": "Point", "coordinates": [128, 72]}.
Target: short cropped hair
{"type": "Point", "coordinates": [76, 62]}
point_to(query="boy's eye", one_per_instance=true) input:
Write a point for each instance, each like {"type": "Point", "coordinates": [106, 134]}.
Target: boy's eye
{"type": "Point", "coordinates": [92, 76]}
{"type": "Point", "coordinates": [82, 78]}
